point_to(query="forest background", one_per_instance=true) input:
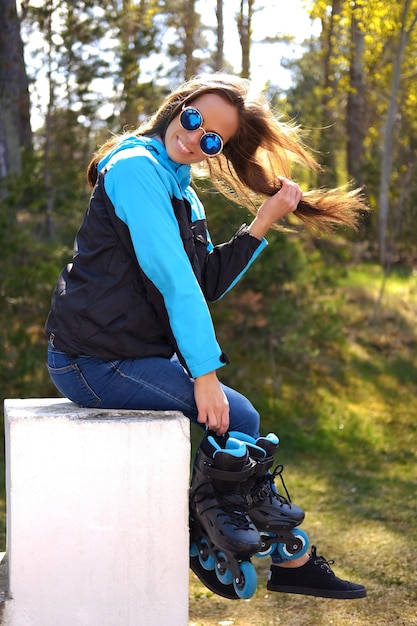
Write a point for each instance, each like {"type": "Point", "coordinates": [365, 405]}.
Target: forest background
{"type": "Point", "coordinates": [322, 331]}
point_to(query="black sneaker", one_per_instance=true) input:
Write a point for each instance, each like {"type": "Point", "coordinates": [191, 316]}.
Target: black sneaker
{"type": "Point", "coordinates": [314, 578]}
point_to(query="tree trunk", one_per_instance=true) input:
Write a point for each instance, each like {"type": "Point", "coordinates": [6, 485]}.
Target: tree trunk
{"type": "Point", "coordinates": [220, 37]}
{"type": "Point", "coordinates": [189, 43]}
{"type": "Point", "coordinates": [388, 143]}
{"type": "Point", "coordinates": [47, 173]}
{"type": "Point", "coordinates": [244, 25]}
{"type": "Point", "coordinates": [355, 104]}
{"type": "Point", "coordinates": [15, 130]}
{"type": "Point", "coordinates": [329, 117]}
{"type": "Point", "coordinates": [130, 69]}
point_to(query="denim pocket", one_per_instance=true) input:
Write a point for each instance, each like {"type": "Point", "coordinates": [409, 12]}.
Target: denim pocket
{"type": "Point", "coordinates": [69, 380]}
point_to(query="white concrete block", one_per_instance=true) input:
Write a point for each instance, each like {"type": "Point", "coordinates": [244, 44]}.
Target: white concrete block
{"type": "Point", "coordinates": [97, 515]}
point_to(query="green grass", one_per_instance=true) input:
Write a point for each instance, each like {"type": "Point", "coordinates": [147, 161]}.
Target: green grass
{"type": "Point", "coordinates": [347, 423]}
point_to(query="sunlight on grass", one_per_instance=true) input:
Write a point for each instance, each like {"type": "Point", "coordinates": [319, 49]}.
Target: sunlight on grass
{"type": "Point", "coordinates": [346, 420]}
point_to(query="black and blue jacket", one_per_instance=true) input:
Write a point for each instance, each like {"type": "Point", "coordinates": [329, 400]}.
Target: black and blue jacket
{"type": "Point", "coordinates": [144, 266]}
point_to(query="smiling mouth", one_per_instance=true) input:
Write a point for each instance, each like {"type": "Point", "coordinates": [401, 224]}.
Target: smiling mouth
{"type": "Point", "coordinates": [183, 147]}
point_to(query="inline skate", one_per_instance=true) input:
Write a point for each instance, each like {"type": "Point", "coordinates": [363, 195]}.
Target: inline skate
{"type": "Point", "coordinates": [223, 537]}
{"type": "Point", "coordinates": [274, 515]}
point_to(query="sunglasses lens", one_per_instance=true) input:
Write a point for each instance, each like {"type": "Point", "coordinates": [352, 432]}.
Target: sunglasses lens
{"type": "Point", "coordinates": [211, 144]}
{"type": "Point", "coordinates": [191, 119]}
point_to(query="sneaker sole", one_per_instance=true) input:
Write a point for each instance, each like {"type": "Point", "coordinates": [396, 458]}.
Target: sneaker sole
{"type": "Point", "coordinates": [320, 593]}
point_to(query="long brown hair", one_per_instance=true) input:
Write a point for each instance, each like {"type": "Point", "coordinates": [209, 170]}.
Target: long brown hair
{"type": "Point", "coordinates": [263, 148]}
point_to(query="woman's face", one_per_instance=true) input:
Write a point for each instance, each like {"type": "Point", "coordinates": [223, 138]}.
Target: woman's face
{"type": "Point", "coordinates": [219, 116]}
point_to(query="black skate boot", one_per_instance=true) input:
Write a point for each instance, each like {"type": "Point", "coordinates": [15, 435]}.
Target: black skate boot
{"type": "Point", "coordinates": [274, 515]}
{"type": "Point", "coordinates": [223, 538]}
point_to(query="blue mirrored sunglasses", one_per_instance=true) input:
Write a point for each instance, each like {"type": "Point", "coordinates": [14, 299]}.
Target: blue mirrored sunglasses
{"type": "Point", "coordinates": [211, 144]}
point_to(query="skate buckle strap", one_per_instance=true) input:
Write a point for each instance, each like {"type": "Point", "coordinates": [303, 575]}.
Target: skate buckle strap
{"type": "Point", "coordinates": [219, 474]}
{"type": "Point", "coordinates": [236, 513]}
{"type": "Point", "coordinates": [263, 465]}
{"type": "Point", "coordinates": [263, 491]}
{"type": "Point", "coordinates": [227, 505]}
{"type": "Point", "coordinates": [206, 503]}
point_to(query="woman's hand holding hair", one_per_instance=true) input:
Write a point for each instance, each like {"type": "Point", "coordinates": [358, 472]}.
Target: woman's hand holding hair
{"type": "Point", "coordinates": [212, 404]}
{"type": "Point", "coordinates": [276, 207]}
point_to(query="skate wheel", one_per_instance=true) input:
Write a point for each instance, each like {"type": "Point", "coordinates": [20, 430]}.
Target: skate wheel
{"type": "Point", "coordinates": [265, 549]}
{"type": "Point", "coordinates": [245, 586]}
{"type": "Point", "coordinates": [224, 575]}
{"type": "Point", "coordinates": [296, 548]}
{"type": "Point", "coordinates": [206, 559]}
{"type": "Point", "coordinates": [193, 549]}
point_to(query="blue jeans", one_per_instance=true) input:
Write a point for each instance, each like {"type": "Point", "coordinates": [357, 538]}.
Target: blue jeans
{"type": "Point", "coordinates": [151, 383]}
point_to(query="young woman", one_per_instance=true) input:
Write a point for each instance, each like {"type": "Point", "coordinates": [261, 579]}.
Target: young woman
{"type": "Point", "coordinates": [129, 326]}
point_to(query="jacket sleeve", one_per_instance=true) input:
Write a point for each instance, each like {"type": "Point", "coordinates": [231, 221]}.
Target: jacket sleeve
{"type": "Point", "coordinates": [141, 192]}
{"type": "Point", "coordinates": [226, 263]}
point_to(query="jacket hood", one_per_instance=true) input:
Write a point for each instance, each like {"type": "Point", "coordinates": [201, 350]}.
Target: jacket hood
{"type": "Point", "coordinates": [158, 150]}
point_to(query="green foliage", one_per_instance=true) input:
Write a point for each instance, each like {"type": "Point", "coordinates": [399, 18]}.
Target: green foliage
{"type": "Point", "coordinates": [342, 89]}
{"type": "Point", "coordinates": [28, 271]}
